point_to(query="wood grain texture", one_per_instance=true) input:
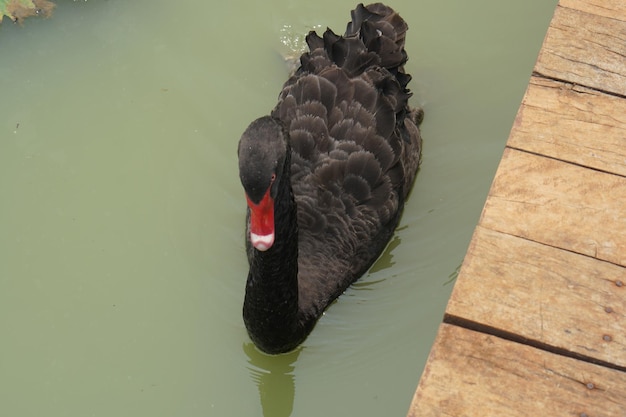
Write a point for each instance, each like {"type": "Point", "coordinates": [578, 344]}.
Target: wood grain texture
{"type": "Point", "coordinates": [613, 9]}
{"type": "Point", "coordinates": [472, 374]}
{"type": "Point", "coordinates": [559, 204]}
{"type": "Point", "coordinates": [572, 123]}
{"type": "Point", "coordinates": [585, 49]}
{"type": "Point", "coordinates": [544, 294]}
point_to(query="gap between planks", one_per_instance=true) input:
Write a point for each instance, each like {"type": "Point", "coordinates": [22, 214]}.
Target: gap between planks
{"type": "Point", "coordinates": [513, 337]}
{"type": "Point", "coordinates": [565, 161]}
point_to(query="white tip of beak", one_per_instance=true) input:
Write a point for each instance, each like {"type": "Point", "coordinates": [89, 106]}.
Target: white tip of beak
{"type": "Point", "coordinates": [262, 242]}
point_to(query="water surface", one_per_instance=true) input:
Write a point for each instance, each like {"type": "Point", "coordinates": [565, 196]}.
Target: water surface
{"type": "Point", "coordinates": [122, 263]}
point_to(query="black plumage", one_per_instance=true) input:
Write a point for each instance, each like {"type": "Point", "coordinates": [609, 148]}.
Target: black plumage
{"type": "Point", "coordinates": [326, 175]}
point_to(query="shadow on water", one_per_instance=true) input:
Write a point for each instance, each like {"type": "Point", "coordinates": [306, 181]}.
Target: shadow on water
{"type": "Point", "coordinates": [386, 258]}
{"type": "Point", "coordinates": [454, 275]}
{"type": "Point", "coordinates": [274, 378]}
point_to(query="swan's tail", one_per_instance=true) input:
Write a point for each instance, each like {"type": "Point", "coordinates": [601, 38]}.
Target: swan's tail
{"type": "Point", "coordinates": [382, 31]}
{"type": "Point", "coordinates": [374, 37]}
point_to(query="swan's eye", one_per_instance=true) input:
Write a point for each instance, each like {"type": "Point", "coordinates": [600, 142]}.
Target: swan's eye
{"type": "Point", "coordinates": [273, 177]}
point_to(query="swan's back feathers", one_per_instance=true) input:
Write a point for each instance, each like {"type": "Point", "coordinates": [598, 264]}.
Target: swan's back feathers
{"type": "Point", "coordinates": [355, 146]}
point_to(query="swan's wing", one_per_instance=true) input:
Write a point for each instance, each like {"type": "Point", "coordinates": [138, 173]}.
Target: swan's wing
{"type": "Point", "coordinates": [355, 143]}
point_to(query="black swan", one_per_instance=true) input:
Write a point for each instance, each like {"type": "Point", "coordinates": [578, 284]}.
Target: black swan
{"type": "Point", "coordinates": [326, 175]}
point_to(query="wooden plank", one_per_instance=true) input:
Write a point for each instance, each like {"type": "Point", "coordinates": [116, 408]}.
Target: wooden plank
{"type": "Point", "coordinates": [474, 374]}
{"type": "Point", "coordinates": [544, 294]}
{"type": "Point", "coordinates": [614, 9]}
{"type": "Point", "coordinates": [559, 204]}
{"type": "Point", "coordinates": [585, 49]}
{"type": "Point", "coordinates": [547, 264]}
{"type": "Point", "coordinates": [572, 123]}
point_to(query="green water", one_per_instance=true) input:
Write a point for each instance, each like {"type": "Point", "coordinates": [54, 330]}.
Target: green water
{"type": "Point", "coordinates": [122, 263]}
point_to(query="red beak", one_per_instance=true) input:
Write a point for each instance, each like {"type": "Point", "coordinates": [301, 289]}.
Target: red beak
{"type": "Point", "coordinates": [262, 222]}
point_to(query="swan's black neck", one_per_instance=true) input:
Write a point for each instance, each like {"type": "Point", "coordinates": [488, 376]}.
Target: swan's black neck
{"type": "Point", "coordinates": [270, 311]}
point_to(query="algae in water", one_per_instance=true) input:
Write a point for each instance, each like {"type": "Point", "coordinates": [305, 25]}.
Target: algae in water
{"type": "Point", "coordinates": [17, 10]}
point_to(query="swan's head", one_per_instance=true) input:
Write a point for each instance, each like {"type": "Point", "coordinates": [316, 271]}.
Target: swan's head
{"type": "Point", "coordinates": [262, 152]}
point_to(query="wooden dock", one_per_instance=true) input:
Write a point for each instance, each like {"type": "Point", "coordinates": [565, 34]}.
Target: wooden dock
{"type": "Point", "coordinates": [536, 324]}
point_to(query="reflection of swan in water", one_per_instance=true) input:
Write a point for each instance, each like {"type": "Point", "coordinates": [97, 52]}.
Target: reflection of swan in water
{"type": "Point", "coordinates": [275, 380]}
{"type": "Point", "coordinates": [274, 375]}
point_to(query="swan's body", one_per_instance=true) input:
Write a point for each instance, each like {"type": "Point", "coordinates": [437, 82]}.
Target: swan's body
{"type": "Point", "coordinates": [326, 175]}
